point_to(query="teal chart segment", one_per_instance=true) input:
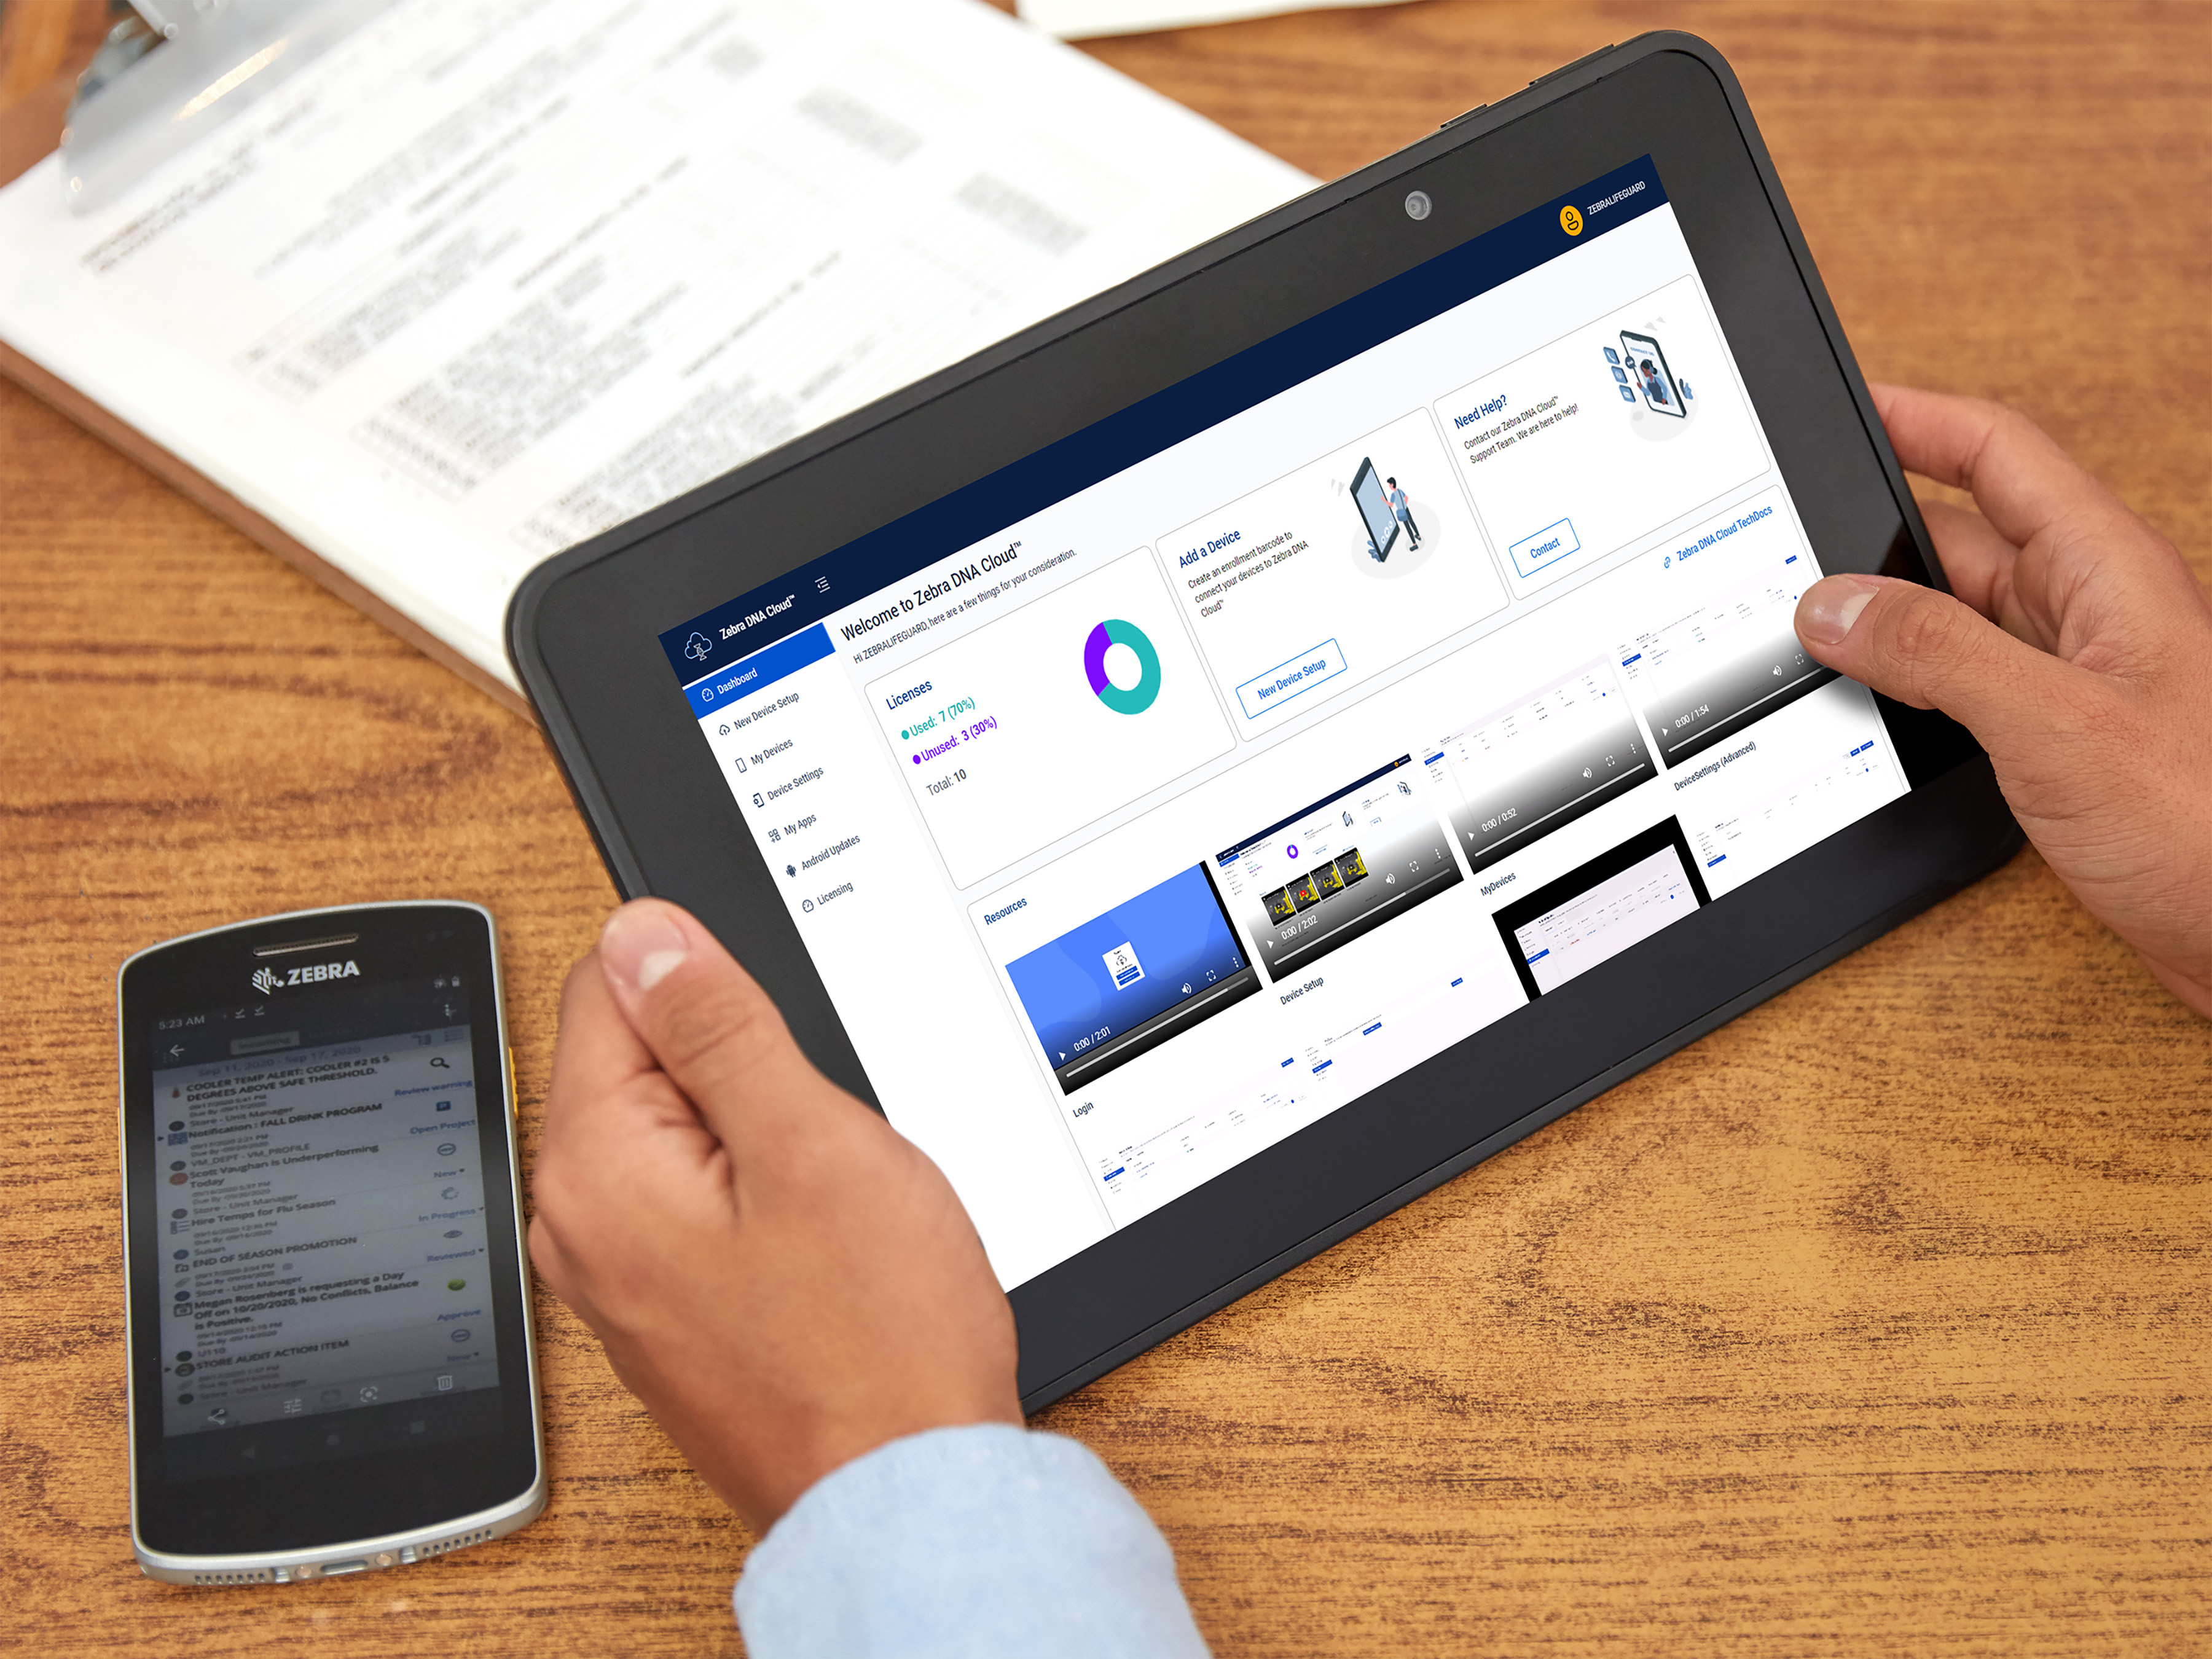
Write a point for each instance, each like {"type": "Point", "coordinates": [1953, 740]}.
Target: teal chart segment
{"type": "Point", "coordinates": [1139, 697]}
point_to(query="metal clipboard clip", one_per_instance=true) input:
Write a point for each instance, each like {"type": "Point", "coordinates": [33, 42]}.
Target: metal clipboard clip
{"type": "Point", "coordinates": [175, 69]}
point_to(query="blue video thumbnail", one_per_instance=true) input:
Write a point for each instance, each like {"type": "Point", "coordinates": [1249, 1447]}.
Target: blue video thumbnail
{"type": "Point", "coordinates": [1147, 970]}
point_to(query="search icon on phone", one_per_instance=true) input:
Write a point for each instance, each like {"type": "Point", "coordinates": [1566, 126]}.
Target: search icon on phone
{"type": "Point", "coordinates": [439, 1060]}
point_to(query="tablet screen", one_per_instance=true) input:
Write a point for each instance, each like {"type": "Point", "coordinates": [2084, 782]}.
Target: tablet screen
{"type": "Point", "coordinates": [1169, 790]}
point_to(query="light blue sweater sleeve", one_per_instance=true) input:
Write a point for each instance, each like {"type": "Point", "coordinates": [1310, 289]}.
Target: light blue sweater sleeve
{"type": "Point", "coordinates": [977, 1541]}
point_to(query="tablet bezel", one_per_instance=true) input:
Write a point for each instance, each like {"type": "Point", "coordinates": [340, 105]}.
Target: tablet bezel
{"type": "Point", "coordinates": [584, 634]}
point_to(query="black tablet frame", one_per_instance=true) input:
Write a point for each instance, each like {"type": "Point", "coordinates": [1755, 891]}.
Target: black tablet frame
{"type": "Point", "coordinates": [584, 631]}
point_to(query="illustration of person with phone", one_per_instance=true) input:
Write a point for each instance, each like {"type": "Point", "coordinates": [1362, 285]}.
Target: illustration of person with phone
{"type": "Point", "coordinates": [1403, 513]}
{"type": "Point", "coordinates": [1653, 376]}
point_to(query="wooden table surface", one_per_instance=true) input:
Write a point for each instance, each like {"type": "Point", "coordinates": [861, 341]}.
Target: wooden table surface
{"type": "Point", "coordinates": [1876, 1322]}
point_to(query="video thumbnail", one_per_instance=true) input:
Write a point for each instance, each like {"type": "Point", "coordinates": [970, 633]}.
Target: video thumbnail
{"type": "Point", "coordinates": [1705, 675]}
{"type": "Point", "coordinates": [1539, 763]}
{"type": "Point", "coordinates": [1619, 898]}
{"type": "Point", "coordinates": [1127, 981]}
{"type": "Point", "coordinates": [1339, 868]}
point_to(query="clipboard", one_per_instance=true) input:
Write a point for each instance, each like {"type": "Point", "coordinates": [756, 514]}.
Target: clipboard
{"type": "Point", "coordinates": [164, 77]}
{"type": "Point", "coordinates": [811, 211]}
{"type": "Point", "coordinates": [189, 482]}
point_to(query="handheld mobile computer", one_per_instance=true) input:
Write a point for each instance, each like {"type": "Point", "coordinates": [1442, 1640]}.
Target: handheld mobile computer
{"type": "Point", "coordinates": [329, 1345]}
{"type": "Point", "coordinates": [1195, 883]}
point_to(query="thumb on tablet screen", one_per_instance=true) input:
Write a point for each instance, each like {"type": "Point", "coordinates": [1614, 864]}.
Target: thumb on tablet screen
{"type": "Point", "coordinates": [2092, 687]}
{"type": "Point", "coordinates": [710, 1026]}
{"type": "Point", "coordinates": [1926, 648]}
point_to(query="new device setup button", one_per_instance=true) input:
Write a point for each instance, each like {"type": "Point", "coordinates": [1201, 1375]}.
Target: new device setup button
{"type": "Point", "coordinates": [1548, 546]}
{"type": "Point", "coordinates": [1288, 679]}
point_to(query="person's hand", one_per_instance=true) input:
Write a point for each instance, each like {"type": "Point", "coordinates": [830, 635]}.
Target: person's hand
{"type": "Point", "coordinates": [783, 1280]}
{"type": "Point", "coordinates": [2078, 651]}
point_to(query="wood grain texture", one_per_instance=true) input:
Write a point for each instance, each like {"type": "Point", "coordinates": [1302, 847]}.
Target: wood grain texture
{"type": "Point", "coordinates": [1874, 1323]}
{"type": "Point", "coordinates": [44, 44]}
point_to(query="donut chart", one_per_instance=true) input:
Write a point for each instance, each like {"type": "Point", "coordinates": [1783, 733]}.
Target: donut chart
{"type": "Point", "coordinates": [1140, 697]}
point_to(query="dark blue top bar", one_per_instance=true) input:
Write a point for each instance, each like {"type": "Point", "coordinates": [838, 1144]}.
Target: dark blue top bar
{"type": "Point", "coordinates": [840, 578]}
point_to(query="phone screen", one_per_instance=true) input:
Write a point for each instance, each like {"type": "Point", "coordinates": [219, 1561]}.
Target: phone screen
{"type": "Point", "coordinates": [1647, 373]}
{"type": "Point", "coordinates": [1374, 509]}
{"type": "Point", "coordinates": [324, 1243]}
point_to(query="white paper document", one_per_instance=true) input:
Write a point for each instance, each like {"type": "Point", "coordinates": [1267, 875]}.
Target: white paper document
{"type": "Point", "coordinates": [494, 276]}
{"type": "Point", "coordinates": [1075, 20]}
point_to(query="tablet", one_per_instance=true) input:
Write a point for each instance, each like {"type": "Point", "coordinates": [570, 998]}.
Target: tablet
{"type": "Point", "coordinates": [1217, 764]}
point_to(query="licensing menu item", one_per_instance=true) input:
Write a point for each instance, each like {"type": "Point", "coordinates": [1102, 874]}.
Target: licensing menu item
{"type": "Point", "coordinates": [1540, 763]}
{"type": "Point", "coordinates": [1339, 868]}
{"type": "Point", "coordinates": [325, 1244]}
{"type": "Point", "coordinates": [1131, 978]}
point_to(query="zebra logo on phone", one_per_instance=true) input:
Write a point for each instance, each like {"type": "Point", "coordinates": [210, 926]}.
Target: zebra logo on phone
{"type": "Point", "coordinates": [268, 979]}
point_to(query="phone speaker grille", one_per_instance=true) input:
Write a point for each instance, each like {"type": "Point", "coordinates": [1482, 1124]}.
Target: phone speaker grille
{"type": "Point", "coordinates": [325, 942]}
{"type": "Point", "coordinates": [461, 1542]}
{"type": "Point", "coordinates": [260, 1577]}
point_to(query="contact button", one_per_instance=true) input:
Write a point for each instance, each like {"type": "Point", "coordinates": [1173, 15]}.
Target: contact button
{"type": "Point", "coordinates": [1548, 546]}
{"type": "Point", "coordinates": [1285, 680]}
